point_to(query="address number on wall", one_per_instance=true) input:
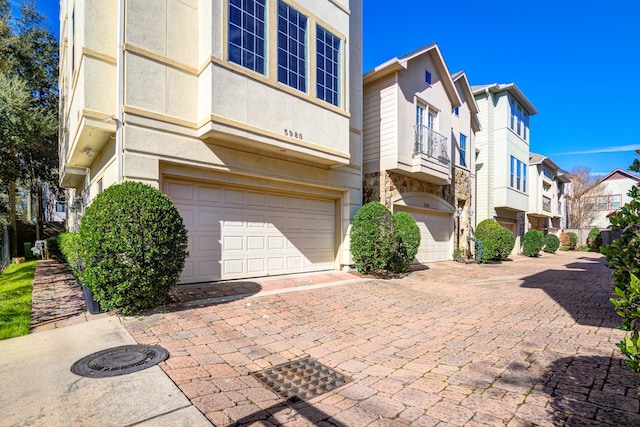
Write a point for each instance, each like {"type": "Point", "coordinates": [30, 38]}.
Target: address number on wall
{"type": "Point", "coordinates": [293, 134]}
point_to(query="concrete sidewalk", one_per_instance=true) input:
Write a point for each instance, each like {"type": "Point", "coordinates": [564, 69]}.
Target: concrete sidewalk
{"type": "Point", "coordinates": [39, 389]}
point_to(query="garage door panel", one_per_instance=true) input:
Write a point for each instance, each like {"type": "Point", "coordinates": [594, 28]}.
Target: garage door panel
{"type": "Point", "coordinates": [436, 233]}
{"type": "Point", "coordinates": [237, 233]}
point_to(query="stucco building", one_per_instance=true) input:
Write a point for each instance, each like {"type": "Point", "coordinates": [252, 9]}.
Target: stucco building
{"type": "Point", "coordinates": [246, 113]}
{"type": "Point", "coordinates": [419, 147]}
{"type": "Point", "coordinates": [547, 195]}
{"type": "Point", "coordinates": [502, 161]}
{"type": "Point", "coordinates": [609, 195]}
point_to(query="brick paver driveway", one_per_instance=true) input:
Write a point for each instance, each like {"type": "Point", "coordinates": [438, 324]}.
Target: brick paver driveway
{"type": "Point", "coordinates": [524, 342]}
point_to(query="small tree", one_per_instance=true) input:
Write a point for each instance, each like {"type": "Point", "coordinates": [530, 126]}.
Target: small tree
{"type": "Point", "coordinates": [581, 206]}
{"type": "Point", "coordinates": [532, 243]}
{"type": "Point", "coordinates": [573, 240]}
{"type": "Point", "coordinates": [133, 244]}
{"type": "Point", "coordinates": [551, 243]}
{"type": "Point", "coordinates": [594, 240]}
{"type": "Point", "coordinates": [622, 256]}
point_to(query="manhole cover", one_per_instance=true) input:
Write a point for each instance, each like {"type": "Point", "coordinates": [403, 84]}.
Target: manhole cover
{"type": "Point", "coordinates": [301, 379]}
{"type": "Point", "coordinates": [119, 361]}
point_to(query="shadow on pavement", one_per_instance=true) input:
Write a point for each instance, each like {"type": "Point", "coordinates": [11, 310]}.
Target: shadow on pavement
{"type": "Point", "coordinates": [592, 390]}
{"type": "Point", "coordinates": [311, 415]}
{"type": "Point", "coordinates": [583, 291]}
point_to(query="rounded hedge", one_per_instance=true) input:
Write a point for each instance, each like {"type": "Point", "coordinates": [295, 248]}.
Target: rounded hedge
{"type": "Point", "coordinates": [407, 241]}
{"type": "Point", "coordinates": [134, 245]}
{"type": "Point", "coordinates": [573, 240]}
{"type": "Point", "coordinates": [551, 243]}
{"type": "Point", "coordinates": [594, 240]}
{"type": "Point", "coordinates": [489, 233]}
{"type": "Point", "coordinates": [532, 243]}
{"type": "Point", "coordinates": [371, 233]}
{"type": "Point", "coordinates": [506, 242]}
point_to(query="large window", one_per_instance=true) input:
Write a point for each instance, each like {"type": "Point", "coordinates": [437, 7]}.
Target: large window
{"type": "Point", "coordinates": [328, 66]}
{"type": "Point", "coordinates": [605, 203]}
{"type": "Point", "coordinates": [463, 150]}
{"type": "Point", "coordinates": [292, 52]}
{"type": "Point", "coordinates": [519, 121]}
{"type": "Point", "coordinates": [518, 175]}
{"type": "Point", "coordinates": [247, 44]}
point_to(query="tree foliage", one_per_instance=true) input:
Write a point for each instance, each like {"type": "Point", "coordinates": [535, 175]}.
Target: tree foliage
{"type": "Point", "coordinates": [28, 99]}
{"type": "Point", "coordinates": [582, 210]}
{"type": "Point", "coordinates": [623, 256]}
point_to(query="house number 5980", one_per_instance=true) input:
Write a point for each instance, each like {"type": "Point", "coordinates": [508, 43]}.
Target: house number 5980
{"type": "Point", "coordinates": [293, 134]}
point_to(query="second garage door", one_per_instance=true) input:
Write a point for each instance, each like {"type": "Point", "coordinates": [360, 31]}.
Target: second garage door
{"type": "Point", "coordinates": [240, 233]}
{"type": "Point", "coordinates": [436, 232]}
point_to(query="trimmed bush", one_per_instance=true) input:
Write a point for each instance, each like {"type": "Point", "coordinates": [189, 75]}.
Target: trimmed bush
{"type": "Point", "coordinates": [69, 245]}
{"type": "Point", "coordinates": [564, 248]}
{"type": "Point", "coordinates": [371, 234]}
{"type": "Point", "coordinates": [407, 240]}
{"type": "Point", "coordinates": [594, 240]}
{"type": "Point", "coordinates": [489, 233]}
{"type": "Point", "coordinates": [573, 240]}
{"type": "Point", "coordinates": [551, 243]}
{"type": "Point", "coordinates": [506, 242]}
{"type": "Point", "coordinates": [532, 243]}
{"type": "Point", "coordinates": [134, 245]}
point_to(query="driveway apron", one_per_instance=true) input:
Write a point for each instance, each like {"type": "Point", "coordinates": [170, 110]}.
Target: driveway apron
{"type": "Point", "coordinates": [525, 342]}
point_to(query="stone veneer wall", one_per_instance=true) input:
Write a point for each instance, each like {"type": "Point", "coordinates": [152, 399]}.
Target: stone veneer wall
{"type": "Point", "coordinates": [385, 186]}
{"type": "Point", "coordinates": [537, 222]}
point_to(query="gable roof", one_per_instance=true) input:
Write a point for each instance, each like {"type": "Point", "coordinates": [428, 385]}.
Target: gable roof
{"type": "Point", "coordinates": [620, 174]}
{"type": "Point", "coordinates": [508, 87]}
{"type": "Point", "coordinates": [536, 159]}
{"type": "Point", "coordinates": [461, 78]}
{"type": "Point", "coordinates": [397, 64]}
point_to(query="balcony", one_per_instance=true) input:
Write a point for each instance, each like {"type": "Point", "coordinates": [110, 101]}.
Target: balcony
{"type": "Point", "coordinates": [546, 204]}
{"type": "Point", "coordinates": [430, 143]}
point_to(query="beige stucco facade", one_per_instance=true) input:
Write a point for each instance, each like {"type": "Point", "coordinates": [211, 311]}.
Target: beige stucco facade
{"type": "Point", "coordinates": [609, 195]}
{"type": "Point", "coordinates": [502, 159]}
{"type": "Point", "coordinates": [415, 112]}
{"type": "Point", "coordinates": [149, 94]}
{"type": "Point", "coordinates": [547, 195]}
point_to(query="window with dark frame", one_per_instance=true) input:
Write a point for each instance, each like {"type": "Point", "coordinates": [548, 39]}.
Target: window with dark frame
{"type": "Point", "coordinates": [247, 28]}
{"type": "Point", "coordinates": [292, 52]}
{"type": "Point", "coordinates": [327, 66]}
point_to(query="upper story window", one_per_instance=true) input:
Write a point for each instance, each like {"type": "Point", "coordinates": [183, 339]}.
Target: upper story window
{"type": "Point", "coordinates": [456, 111]}
{"type": "Point", "coordinates": [518, 175]}
{"type": "Point", "coordinates": [427, 77]}
{"type": "Point", "coordinates": [328, 66]}
{"type": "Point", "coordinates": [519, 121]}
{"type": "Point", "coordinates": [247, 43]}
{"type": "Point", "coordinates": [547, 173]}
{"type": "Point", "coordinates": [605, 203]}
{"type": "Point", "coordinates": [292, 52]}
{"type": "Point", "coordinates": [463, 150]}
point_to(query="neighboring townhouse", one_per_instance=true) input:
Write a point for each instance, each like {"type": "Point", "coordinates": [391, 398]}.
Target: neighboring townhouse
{"type": "Point", "coordinates": [609, 195]}
{"type": "Point", "coordinates": [419, 131]}
{"type": "Point", "coordinates": [246, 113]}
{"type": "Point", "coordinates": [547, 195]}
{"type": "Point", "coordinates": [502, 159]}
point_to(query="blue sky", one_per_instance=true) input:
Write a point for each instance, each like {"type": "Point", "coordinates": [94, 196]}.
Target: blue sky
{"type": "Point", "coordinates": [576, 60]}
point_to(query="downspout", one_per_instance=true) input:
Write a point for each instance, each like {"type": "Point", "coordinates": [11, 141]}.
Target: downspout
{"type": "Point", "coordinates": [119, 91]}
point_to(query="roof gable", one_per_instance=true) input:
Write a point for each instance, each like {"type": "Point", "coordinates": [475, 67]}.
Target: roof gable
{"type": "Point", "coordinates": [508, 87]}
{"type": "Point", "coordinates": [620, 174]}
{"type": "Point", "coordinates": [401, 63]}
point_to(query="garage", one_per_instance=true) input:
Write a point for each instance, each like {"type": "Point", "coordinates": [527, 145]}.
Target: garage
{"type": "Point", "coordinates": [436, 232]}
{"type": "Point", "coordinates": [239, 233]}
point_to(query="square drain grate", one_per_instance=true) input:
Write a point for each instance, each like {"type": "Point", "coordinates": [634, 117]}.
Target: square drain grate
{"type": "Point", "coordinates": [301, 379]}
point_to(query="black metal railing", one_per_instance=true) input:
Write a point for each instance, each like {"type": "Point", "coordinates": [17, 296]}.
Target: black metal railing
{"type": "Point", "coordinates": [431, 144]}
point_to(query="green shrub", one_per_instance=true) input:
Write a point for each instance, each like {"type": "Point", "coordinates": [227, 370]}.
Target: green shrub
{"type": "Point", "coordinates": [532, 243]}
{"type": "Point", "coordinates": [489, 232]}
{"type": "Point", "coordinates": [53, 248]}
{"type": "Point", "coordinates": [69, 245]}
{"type": "Point", "coordinates": [573, 240]}
{"type": "Point", "coordinates": [622, 257]}
{"type": "Point", "coordinates": [551, 243]}
{"type": "Point", "coordinates": [406, 242]}
{"type": "Point", "coordinates": [371, 234]}
{"type": "Point", "coordinates": [383, 242]}
{"type": "Point", "coordinates": [564, 248]}
{"type": "Point", "coordinates": [594, 240]}
{"type": "Point", "coordinates": [506, 242]}
{"type": "Point", "coordinates": [134, 245]}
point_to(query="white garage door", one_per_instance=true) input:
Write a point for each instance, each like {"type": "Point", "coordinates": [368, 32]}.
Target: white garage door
{"type": "Point", "coordinates": [436, 232]}
{"type": "Point", "coordinates": [237, 233]}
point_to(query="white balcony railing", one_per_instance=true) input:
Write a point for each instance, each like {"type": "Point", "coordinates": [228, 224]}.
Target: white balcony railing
{"type": "Point", "coordinates": [430, 143]}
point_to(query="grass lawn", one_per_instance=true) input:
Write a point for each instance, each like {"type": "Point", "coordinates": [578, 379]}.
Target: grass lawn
{"type": "Point", "coordinates": [15, 299]}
